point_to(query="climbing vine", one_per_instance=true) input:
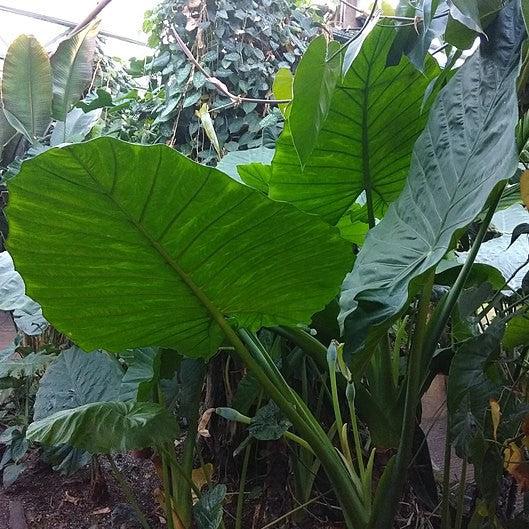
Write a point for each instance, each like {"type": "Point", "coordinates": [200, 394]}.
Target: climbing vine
{"type": "Point", "coordinates": [242, 43]}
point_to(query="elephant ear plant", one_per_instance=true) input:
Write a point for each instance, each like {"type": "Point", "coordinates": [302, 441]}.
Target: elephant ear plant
{"type": "Point", "coordinates": [131, 246]}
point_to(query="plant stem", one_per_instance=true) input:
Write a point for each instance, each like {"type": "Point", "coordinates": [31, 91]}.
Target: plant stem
{"type": "Point", "coordinates": [166, 478]}
{"type": "Point", "coordinates": [128, 492]}
{"type": "Point", "coordinates": [461, 495]}
{"type": "Point", "coordinates": [383, 519]}
{"type": "Point", "coordinates": [353, 510]}
{"type": "Point", "coordinates": [182, 494]}
{"type": "Point", "coordinates": [446, 520]}
{"type": "Point", "coordinates": [242, 486]}
{"type": "Point", "coordinates": [356, 437]}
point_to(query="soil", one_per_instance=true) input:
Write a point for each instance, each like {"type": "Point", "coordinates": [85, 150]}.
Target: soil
{"type": "Point", "coordinates": [52, 501]}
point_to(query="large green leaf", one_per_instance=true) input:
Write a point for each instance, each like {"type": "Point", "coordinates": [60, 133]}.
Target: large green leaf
{"type": "Point", "coordinates": [160, 248]}
{"type": "Point", "coordinates": [26, 87]}
{"type": "Point", "coordinates": [72, 69]}
{"type": "Point", "coordinates": [77, 378]}
{"type": "Point", "coordinates": [106, 427]}
{"type": "Point", "coordinates": [365, 143]}
{"type": "Point", "coordinates": [313, 88]}
{"type": "Point", "coordinates": [77, 126]}
{"type": "Point", "coordinates": [468, 146]}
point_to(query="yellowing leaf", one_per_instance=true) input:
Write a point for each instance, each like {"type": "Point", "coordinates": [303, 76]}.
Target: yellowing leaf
{"type": "Point", "coordinates": [205, 118]}
{"type": "Point", "coordinates": [512, 458]}
{"type": "Point", "coordinates": [202, 476]}
{"type": "Point", "coordinates": [524, 188]}
{"type": "Point", "coordinates": [496, 416]}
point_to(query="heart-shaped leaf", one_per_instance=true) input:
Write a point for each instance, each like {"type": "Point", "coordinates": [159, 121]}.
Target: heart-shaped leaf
{"type": "Point", "coordinates": [77, 378]}
{"type": "Point", "coordinates": [106, 427]}
{"type": "Point", "coordinates": [162, 249]}
{"type": "Point", "coordinates": [366, 141]}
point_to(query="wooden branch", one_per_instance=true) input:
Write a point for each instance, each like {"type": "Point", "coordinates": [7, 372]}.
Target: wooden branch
{"type": "Point", "coordinates": [217, 83]}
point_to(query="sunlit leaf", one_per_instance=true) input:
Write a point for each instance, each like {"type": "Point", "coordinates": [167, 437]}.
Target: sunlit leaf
{"type": "Point", "coordinates": [313, 89]}
{"type": "Point", "coordinates": [364, 145]}
{"type": "Point", "coordinates": [162, 249]}
{"type": "Point", "coordinates": [282, 88]}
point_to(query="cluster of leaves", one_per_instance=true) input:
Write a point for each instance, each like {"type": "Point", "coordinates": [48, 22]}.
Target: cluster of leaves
{"type": "Point", "coordinates": [39, 92]}
{"type": "Point", "coordinates": [376, 155]}
{"type": "Point", "coordinates": [241, 43]}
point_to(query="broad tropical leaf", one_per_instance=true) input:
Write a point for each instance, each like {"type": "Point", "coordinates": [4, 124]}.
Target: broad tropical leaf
{"type": "Point", "coordinates": [106, 427]}
{"type": "Point", "coordinates": [313, 88]}
{"type": "Point", "coordinates": [365, 143]}
{"type": "Point", "coordinates": [161, 249]}
{"type": "Point", "coordinates": [26, 87]}
{"type": "Point", "coordinates": [468, 146]}
{"type": "Point", "coordinates": [77, 378]}
{"type": "Point", "coordinates": [72, 69]}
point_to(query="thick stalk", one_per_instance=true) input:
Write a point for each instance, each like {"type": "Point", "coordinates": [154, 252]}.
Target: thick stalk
{"type": "Point", "coordinates": [183, 499]}
{"type": "Point", "coordinates": [242, 486]}
{"type": "Point", "coordinates": [446, 519]}
{"type": "Point", "coordinates": [166, 479]}
{"type": "Point", "coordinates": [354, 512]}
{"type": "Point", "coordinates": [384, 518]}
{"type": "Point", "coordinates": [461, 496]}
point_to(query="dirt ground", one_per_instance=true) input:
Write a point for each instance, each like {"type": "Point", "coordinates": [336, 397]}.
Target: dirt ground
{"type": "Point", "coordinates": [43, 499]}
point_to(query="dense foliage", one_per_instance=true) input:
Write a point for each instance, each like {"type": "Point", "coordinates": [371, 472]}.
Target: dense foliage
{"type": "Point", "coordinates": [371, 220]}
{"type": "Point", "coordinates": [240, 43]}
